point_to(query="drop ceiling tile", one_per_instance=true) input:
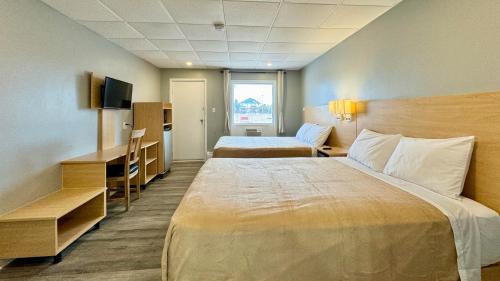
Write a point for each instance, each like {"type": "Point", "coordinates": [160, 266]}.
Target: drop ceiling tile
{"type": "Point", "coordinates": [250, 47]}
{"type": "Point", "coordinates": [244, 56]}
{"type": "Point", "coordinates": [112, 29]}
{"type": "Point", "coordinates": [90, 10]}
{"type": "Point", "coordinates": [213, 55]}
{"type": "Point", "coordinates": [135, 44]}
{"type": "Point", "coordinates": [172, 45]}
{"type": "Point", "coordinates": [312, 48]}
{"type": "Point", "coordinates": [209, 46]}
{"type": "Point", "coordinates": [372, 2]}
{"type": "Point", "coordinates": [182, 56]}
{"type": "Point", "coordinates": [247, 33]}
{"type": "Point", "coordinates": [202, 32]}
{"type": "Point", "coordinates": [309, 35]}
{"type": "Point", "coordinates": [154, 30]}
{"type": "Point", "coordinates": [353, 16]}
{"type": "Point", "coordinates": [195, 11]}
{"type": "Point", "coordinates": [332, 2]}
{"type": "Point", "coordinates": [302, 15]}
{"type": "Point", "coordinates": [279, 47]}
{"type": "Point", "coordinates": [275, 1]}
{"type": "Point", "coordinates": [243, 64]}
{"type": "Point", "coordinates": [140, 10]}
{"type": "Point", "coordinates": [303, 56]}
{"type": "Point", "coordinates": [273, 57]}
{"type": "Point", "coordinates": [250, 13]}
{"type": "Point", "coordinates": [150, 55]}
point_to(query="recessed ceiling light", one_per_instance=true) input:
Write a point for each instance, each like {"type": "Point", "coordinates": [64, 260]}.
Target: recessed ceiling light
{"type": "Point", "coordinates": [269, 64]}
{"type": "Point", "coordinates": [189, 63]}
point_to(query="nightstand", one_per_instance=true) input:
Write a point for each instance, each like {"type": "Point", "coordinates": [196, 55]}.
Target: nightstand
{"type": "Point", "coordinates": [333, 152]}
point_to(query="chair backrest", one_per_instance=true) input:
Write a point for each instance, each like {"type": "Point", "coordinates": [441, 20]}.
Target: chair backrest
{"type": "Point", "coordinates": [134, 148]}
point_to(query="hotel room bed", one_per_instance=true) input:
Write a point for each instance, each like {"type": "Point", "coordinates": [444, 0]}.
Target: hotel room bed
{"type": "Point", "coordinates": [261, 147]}
{"type": "Point", "coordinates": [304, 144]}
{"type": "Point", "coordinates": [322, 219]}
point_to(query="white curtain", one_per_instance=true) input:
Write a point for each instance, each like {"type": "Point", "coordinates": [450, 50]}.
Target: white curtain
{"type": "Point", "coordinates": [227, 102]}
{"type": "Point", "coordinates": [280, 85]}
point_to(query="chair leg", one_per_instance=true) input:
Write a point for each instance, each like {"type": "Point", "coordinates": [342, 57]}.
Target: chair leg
{"type": "Point", "coordinates": [138, 186]}
{"type": "Point", "coordinates": [127, 194]}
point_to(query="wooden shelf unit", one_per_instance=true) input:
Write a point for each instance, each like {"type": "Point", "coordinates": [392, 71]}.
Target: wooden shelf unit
{"type": "Point", "coordinates": [47, 226]}
{"type": "Point", "coordinates": [149, 165]}
{"type": "Point", "coordinates": [155, 117]}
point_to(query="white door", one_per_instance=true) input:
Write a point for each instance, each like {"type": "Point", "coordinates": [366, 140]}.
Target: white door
{"type": "Point", "coordinates": [188, 102]}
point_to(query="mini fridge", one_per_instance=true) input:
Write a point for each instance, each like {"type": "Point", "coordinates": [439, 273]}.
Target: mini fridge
{"type": "Point", "coordinates": [167, 145]}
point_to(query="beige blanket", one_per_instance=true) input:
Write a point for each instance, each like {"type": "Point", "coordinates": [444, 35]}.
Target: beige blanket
{"type": "Point", "coordinates": [261, 147]}
{"type": "Point", "coordinates": [303, 219]}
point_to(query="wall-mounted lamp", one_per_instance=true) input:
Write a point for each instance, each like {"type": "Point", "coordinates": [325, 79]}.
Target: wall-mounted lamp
{"type": "Point", "coordinates": [343, 109]}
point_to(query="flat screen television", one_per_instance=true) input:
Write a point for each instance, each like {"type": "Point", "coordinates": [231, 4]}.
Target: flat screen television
{"type": "Point", "coordinates": [116, 94]}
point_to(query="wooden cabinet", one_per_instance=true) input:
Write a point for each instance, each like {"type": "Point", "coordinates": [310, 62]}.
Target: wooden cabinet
{"type": "Point", "coordinates": [154, 116]}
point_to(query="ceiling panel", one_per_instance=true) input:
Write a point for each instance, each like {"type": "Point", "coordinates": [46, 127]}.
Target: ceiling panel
{"type": "Point", "coordinates": [182, 56]}
{"type": "Point", "coordinates": [210, 46]}
{"type": "Point", "coordinates": [172, 45]}
{"type": "Point", "coordinates": [279, 47]}
{"type": "Point", "coordinates": [250, 13]}
{"type": "Point", "coordinates": [168, 33]}
{"type": "Point", "coordinates": [139, 10]}
{"type": "Point", "coordinates": [353, 16]}
{"type": "Point", "coordinates": [252, 47]}
{"type": "Point", "coordinates": [112, 29]}
{"type": "Point", "coordinates": [244, 56]}
{"type": "Point", "coordinates": [213, 56]}
{"type": "Point", "coordinates": [302, 15]}
{"type": "Point", "coordinates": [247, 33]}
{"type": "Point", "coordinates": [202, 32]}
{"type": "Point", "coordinates": [195, 11]}
{"type": "Point", "coordinates": [135, 44]}
{"type": "Point", "coordinates": [150, 55]}
{"type": "Point", "coordinates": [155, 30]}
{"type": "Point", "coordinates": [89, 10]}
{"type": "Point", "coordinates": [309, 35]}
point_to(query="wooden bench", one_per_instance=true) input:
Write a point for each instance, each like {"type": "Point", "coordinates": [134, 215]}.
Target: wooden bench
{"type": "Point", "coordinates": [47, 226]}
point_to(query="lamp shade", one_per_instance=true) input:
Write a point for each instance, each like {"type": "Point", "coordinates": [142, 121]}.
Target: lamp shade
{"type": "Point", "coordinates": [349, 107]}
{"type": "Point", "coordinates": [332, 107]}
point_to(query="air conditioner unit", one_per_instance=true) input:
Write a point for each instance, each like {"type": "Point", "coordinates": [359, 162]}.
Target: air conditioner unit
{"type": "Point", "coordinates": [253, 132]}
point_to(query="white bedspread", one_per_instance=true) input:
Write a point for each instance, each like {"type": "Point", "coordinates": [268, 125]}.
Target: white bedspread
{"type": "Point", "coordinates": [476, 228]}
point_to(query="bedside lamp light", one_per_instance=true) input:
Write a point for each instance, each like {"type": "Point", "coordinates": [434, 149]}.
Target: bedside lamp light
{"type": "Point", "coordinates": [335, 107]}
{"type": "Point", "coordinates": [332, 107]}
{"type": "Point", "coordinates": [349, 109]}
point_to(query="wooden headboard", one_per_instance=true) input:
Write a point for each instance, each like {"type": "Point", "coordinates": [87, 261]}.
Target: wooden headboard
{"type": "Point", "coordinates": [443, 117]}
{"type": "Point", "coordinates": [343, 132]}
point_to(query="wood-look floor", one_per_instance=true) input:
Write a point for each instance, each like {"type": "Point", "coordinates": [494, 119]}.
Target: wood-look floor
{"type": "Point", "coordinates": [127, 246]}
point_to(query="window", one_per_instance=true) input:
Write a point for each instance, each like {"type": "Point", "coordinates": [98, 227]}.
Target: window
{"type": "Point", "coordinates": [253, 102]}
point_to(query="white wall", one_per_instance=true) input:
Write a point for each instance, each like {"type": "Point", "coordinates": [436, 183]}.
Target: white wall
{"type": "Point", "coordinates": [44, 57]}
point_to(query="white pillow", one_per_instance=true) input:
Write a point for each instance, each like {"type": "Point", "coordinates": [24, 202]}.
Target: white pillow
{"type": "Point", "coordinates": [301, 133]}
{"type": "Point", "coordinates": [317, 135]}
{"type": "Point", "coordinates": [373, 149]}
{"type": "Point", "coordinates": [440, 165]}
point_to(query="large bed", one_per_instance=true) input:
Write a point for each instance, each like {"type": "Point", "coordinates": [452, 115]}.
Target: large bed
{"type": "Point", "coordinates": [261, 147]}
{"type": "Point", "coordinates": [320, 219]}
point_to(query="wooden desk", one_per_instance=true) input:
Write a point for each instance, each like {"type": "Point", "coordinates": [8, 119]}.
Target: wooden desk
{"type": "Point", "coordinates": [91, 168]}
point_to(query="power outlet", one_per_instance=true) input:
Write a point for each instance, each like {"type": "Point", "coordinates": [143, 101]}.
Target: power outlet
{"type": "Point", "coordinates": [213, 109]}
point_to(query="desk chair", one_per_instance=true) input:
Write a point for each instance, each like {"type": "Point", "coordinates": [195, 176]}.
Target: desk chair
{"type": "Point", "coordinates": [129, 169]}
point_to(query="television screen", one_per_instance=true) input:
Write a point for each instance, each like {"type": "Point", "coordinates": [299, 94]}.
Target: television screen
{"type": "Point", "coordinates": [116, 94]}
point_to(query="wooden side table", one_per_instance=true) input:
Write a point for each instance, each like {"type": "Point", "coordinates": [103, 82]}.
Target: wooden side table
{"type": "Point", "coordinates": [332, 152]}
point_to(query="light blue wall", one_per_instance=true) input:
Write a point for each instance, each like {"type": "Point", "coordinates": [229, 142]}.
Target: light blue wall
{"type": "Point", "coordinates": [44, 95]}
{"type": "Point", "coordinates": [419, 48]}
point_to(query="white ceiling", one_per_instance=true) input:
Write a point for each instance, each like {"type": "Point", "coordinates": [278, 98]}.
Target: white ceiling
{"type": "Point", "coordinates": [259, 34]}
